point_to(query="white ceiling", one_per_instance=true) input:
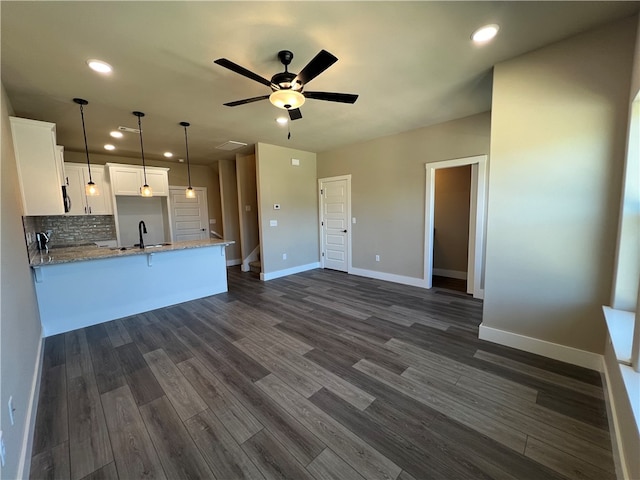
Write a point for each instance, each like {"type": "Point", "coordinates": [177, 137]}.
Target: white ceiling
{"type": "Point", "coordinates": [412, 63]}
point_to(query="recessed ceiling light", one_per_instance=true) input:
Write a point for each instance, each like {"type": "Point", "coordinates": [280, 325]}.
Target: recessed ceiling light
{"type": "Point", "coordinates": [181, 160]}
{"type": "Point", "coordinates": [486, 33]}
{"type": "Point", "coordinates": [99, 66]}
{"type": "Point", "coordinates": [116, 134]}
{"type": "Point", "coordinates": [168, 154]}
{"type": "Point", "coordinates": [282, 120]}
{"type": "Point", "coordinates": [108, 146]}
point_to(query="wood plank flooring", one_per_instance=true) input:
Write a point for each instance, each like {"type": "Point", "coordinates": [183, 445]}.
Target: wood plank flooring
{"type": "Point", "coordinates": [320, 376]}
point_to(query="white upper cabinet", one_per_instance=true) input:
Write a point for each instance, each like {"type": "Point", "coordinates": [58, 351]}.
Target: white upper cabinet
{"type": "Point", "coordinates": [128, 179]}
{"type": "Point", "coordinates": [38, 162]}
{"type": "Point", "coordinates": [77, 176]}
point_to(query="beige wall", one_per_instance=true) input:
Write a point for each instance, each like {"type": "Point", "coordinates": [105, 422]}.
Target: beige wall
{"type": "Point", "coordinates": [295, 189]}
{"type": "Point", "coordinates": [451, 218]}
{"type": "Point", "coordinates": [247, 197]}
{"type": "Point", "coordinates": [19, 317]}
{"type": "Point", "coordinates": [559, 117]}
{"type": "Point", "coordinates": [201, 175]}
{"type": "Point", "coordinates": [388, 188]}
{"type": "Point", "coordinates": [229, 196]}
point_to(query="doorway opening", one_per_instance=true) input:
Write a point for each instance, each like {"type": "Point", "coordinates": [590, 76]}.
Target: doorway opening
{"type": "Point", "coordinates": [476, 228]}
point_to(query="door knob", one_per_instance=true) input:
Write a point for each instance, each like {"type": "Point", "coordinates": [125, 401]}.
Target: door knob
{"type": "Point", "coordinates": [344, 231]}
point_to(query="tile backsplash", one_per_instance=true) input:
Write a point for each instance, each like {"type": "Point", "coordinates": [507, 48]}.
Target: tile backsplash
{"type": "Point", "coordinates": [70, 230]}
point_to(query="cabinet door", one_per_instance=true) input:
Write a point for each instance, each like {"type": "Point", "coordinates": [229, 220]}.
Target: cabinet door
{"type": "Point", "coordinates": [75, 189]}
{"type": "Point", "coordinates": [159, 182]}
{"type": "Point", "coordinates": [36, 158]}
{"type": "Point", "coordinates": [101, 204]}
{"type": "Point", "coordinates": [126, 181]}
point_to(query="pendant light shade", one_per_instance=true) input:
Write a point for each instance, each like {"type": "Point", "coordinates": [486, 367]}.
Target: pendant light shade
{"type": "Point", "coordinates": [145, 190]}
{"type": "Point", "coordinates": [189, 192]}
{"type": "Point", "coordinates": [91, 189]}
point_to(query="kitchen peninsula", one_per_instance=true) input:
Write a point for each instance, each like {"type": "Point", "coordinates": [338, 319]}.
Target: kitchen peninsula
{"type": "Point", "coordinates": [82, 286]}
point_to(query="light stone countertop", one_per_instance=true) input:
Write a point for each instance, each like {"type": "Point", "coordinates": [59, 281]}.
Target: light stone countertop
{"type": "Point", "coordinates": [90, 252]}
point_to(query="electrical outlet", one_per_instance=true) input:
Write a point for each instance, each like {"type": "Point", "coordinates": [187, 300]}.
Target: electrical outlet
{"type": "Point", "coordinates": [284, 256]}
{"type": "Point", "coordinates": [3, 451]}
{"type": "Point", "coordinates": [377, 258]}
{"type": "Point", "coordinates": [247, 208]}
{"type": "Point", "coordinates": [11, 410]}
{"type": "Point", "coordinates": [212, 221]}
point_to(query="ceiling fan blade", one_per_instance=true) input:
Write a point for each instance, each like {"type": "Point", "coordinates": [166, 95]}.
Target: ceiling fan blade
{"type": "Point", "coordinates": [316, 66]}
{"type": "Point", "coordinates": [332, 97]}
{"type": "Point", "coordinates": [246, 100]}
{"type": "Point", "coordinates": [234, 67]}
{"type": "Point", "coordinates": [295, 114]}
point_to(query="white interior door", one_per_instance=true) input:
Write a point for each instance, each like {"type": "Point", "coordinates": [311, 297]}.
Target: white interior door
{"type": "Point", "coordinates": [190, 216]}
{"type": "Point", "coordinates": [334, 223]}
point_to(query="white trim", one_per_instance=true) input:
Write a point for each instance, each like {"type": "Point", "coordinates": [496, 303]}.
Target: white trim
{"type": "Point", "coordinates": [24, 464]}
{"type": "Point", "coordinates": [289, 271]}
{"type": "Point", "coordinates": [234, 262]}
{"type": "Point", "coordinates": [253, 256]}
{"type": "Point", "coordinates": [571, 355]}
{"type": "Point", "coordinates": [349, 221]}
{"type": "Point", "coordinates": [389, 277]}
{"type": "Point", "coordinates": [618, 453]}
{"type": "Point", "coordinates": [477, 221]}
{"type": "Point", "coordinates": [443, 272]}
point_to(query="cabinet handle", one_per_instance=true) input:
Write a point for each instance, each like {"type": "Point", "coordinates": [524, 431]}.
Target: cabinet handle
{"type": "Point", "coordinates": [89, 209]}
{"type": "Point", "coordinates": [85, 209]}
{"type": "Point", "coordinates": [67, 181]}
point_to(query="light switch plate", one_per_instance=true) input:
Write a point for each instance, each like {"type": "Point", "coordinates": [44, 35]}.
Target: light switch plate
{"type": "Point", "coordinates": [273, 223]}
{"type": "Point", "coordinates": [353, 220]}
{"type": "Point", "coordinates": [247, 208]}
{"type": "Point", "coordinates": [295, 162]}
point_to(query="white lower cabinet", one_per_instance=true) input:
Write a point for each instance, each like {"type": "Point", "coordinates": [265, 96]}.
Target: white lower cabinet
{"type": "Point", "coordinates": [77, 176]}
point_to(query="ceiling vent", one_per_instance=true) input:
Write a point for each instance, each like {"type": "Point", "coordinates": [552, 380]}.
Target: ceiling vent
{"type": "Point", "coordinates": [231, 145]}
{"type": "Point", "coordinates": [129, 130]}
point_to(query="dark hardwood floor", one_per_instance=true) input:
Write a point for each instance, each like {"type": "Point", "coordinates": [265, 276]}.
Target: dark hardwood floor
{"type": "Point", "coordinates": [319, 375]}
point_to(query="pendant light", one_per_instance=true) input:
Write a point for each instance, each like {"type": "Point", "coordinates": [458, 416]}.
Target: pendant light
{"type": "Point", "coordinates": [189, 192]}
{"type": "Point", "coordinates": [90, 189]}
{"type": "Point", "coordinates": [145, 190]}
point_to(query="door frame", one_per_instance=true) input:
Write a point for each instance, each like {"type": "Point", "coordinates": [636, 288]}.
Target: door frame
{"type": "Point", "coordinates": [477, 220]}
{"type": "Point", "coordinates": [170, 206]}
{"type": "Point", "coordinates": [321, 218]}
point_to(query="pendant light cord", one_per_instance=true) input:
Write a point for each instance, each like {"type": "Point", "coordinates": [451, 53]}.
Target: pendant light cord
{"type": "Point", "coordinates": [144, 168]}
{"type": "Point", "coordinates": [86, 147]}
{"type": "Point", "coordinates": [186, 143]}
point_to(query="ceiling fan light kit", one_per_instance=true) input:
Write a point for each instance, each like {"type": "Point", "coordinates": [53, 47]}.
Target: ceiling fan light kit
{"type": "Point", "coordinates": [287, 99]}
{"type": "Point", "coordinates": [287, 87]}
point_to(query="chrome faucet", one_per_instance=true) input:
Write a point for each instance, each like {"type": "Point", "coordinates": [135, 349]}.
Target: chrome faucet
{"type": "Point", "coordinates": [142, 228]}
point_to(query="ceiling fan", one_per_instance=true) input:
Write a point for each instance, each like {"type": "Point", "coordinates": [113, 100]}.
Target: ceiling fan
{"type": "Point", "coordinates": [287, 87]}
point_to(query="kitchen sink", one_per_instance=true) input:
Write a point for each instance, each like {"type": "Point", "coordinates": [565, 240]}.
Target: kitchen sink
{"type": "Point", "coordinates": [137, 247]}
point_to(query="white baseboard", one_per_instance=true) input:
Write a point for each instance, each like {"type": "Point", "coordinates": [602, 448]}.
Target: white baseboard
{"type": "Point", "coordinates": [571, 355]}
{"type": "Point", "coordinates": [389, 277]}
{"type": "Point", "coordinates": [24, 464]}
{"type": "Point", "coordinates": [234, 262]}
{"type": "Point", "coordinates": [443, 272]}
{"type": "Point", "coordinates": [289, 271]}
